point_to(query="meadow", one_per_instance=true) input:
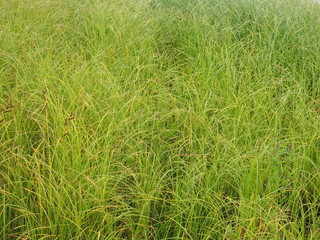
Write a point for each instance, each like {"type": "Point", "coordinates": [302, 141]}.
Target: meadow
{"type": "Point", "coordinates": [159, 119]}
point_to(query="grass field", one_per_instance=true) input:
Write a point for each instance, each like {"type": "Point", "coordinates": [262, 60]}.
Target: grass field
{"type": "Point", "coordinates": [159, 119]}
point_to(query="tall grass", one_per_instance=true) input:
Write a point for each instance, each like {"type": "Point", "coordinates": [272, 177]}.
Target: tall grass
{"type": "Point", "coordinates": [159, 119]}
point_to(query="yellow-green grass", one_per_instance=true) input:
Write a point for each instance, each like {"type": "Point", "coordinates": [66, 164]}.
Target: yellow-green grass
{"type": "Point", "coordinates": [159, 119]}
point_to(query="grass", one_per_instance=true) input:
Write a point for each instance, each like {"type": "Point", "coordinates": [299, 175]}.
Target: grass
{"type": "Point", "coordinates": [159, 119]}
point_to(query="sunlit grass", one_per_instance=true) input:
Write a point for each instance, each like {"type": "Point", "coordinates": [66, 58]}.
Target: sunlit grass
{"type": "Point", "coordinates": [160, 119]}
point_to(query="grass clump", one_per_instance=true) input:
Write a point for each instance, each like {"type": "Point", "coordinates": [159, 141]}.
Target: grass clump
{"type": "Point", "coordinates": [162, 119]}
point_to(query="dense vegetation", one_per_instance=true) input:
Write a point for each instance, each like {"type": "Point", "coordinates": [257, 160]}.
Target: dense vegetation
{"type": "Point", "coordinates": [159, 119]}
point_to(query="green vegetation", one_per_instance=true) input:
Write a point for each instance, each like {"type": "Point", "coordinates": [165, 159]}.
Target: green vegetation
{"type": "Point", "coordinates": [159, 119]}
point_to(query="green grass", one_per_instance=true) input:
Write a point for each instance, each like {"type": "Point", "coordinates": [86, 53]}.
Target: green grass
{"type": "Point", "coordinates": [159, 119]}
